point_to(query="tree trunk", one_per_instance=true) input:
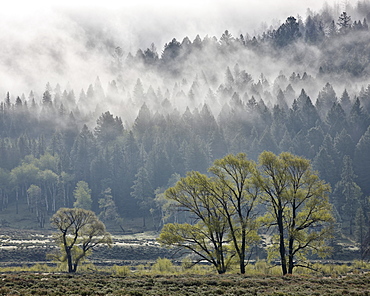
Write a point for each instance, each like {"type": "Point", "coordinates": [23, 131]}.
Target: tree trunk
{"type": "Point", "coordinates": [281, 242]}
{"type": "Point", "coordinates": [68, 251]}
{"type": "Point", "coordinates": [69, 260]}
{"type": "Point", "coordinates": [291, 240]}
{"type": "Point", "coordinates": [242, 253]}
{"type": "Point", "coordinates": [242, 266]}
{"type": "Point", "coordinates": [221, 270]}
{"type": "Point", "coordinates": [291, 257]}
{"type": "Point", "coordinates": [16, 201]}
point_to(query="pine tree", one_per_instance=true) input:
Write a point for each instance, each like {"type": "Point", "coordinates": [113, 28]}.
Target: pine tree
{"type": "Point", "coordinates": [344, 22]}
{"type": "Point", "coordinates": [347, 196]}
{"type": "Point", "coordinates": [362, 162]}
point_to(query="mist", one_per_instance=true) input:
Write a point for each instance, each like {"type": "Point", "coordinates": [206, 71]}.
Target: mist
{"type": "Point", "coordinates": [72, 44]}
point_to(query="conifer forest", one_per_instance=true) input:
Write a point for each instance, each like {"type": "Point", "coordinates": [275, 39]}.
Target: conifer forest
{"type": "Point", "coordinates": [117, 143]}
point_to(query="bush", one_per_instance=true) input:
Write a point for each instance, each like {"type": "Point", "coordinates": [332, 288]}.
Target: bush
{"type": "Point", "coordinates": [121, 270]}
{"type": "Point", "coordinates": [163, 265]}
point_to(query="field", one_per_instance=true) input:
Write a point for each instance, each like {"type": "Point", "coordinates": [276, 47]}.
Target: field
{"type": "Point", "coordinates": [133, 267]}
{"type": "Point", "coordinates": [104, 284]}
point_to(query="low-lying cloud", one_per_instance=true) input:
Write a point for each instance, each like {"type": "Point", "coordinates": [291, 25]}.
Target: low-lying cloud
{"type": "Point", "coordinates": [72, 44]}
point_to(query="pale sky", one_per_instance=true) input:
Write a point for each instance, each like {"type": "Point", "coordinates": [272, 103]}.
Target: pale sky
{"type": "Point", "coordinates": [164, 19]}
{"type": "Point", "coordinates": [46, 40]}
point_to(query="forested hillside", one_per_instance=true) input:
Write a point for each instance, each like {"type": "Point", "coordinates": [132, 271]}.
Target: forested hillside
{"type": "Point", "coordinates": [301, 87]}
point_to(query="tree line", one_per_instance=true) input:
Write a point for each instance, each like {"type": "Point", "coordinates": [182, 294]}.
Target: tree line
{"type": "Point", "coordinates": [341, 40]}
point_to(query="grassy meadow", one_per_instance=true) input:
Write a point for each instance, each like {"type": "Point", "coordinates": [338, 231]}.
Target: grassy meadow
{"type": "Point", "coordinates": [163, 278]}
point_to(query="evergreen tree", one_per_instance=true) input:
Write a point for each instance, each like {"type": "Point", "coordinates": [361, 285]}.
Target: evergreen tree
{"type": "Point", "coordinates": [142, 121]}
{"type": "Point", "coordinates": [324, 163]}
{"type": "Point", "coordinates": [108, 128]}
{"type": "Point", "coordinates": [362, 162]}
{"type": "Point", "coordinates": [361, 231]}
{"type": "Point", "coordinates": [336, 119]}
{"type": "Point", "coordinates": [281, 101]}
{"type": "Point", "coordinates": [325, 100]}
{"type": "Point", "coordinates": [347, 196]}
{"type": "Point", "coordinates": [287, 33]}
{"type": "Point", "coordinates": [309, 115]}
{"type": "Point", "coordinates": [345, 102]}
{"type": "Point", "coordinates": [82, 153]}
{"type": "Point", "coordinates": [358, 121]}
{"type": "Point", "coordinates": [108, 208]}
{"type": "Point", "coordinates": [143, 192]}
{"type": "Point", "coordinates": [344, 22]}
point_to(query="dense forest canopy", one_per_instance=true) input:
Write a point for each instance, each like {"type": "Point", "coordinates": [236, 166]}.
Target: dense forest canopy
{"type": "Point", "coordinates": [301, 87]}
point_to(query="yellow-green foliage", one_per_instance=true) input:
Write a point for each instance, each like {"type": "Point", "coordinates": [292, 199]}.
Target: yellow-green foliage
{"type": "Point", "coordinates": [90, 267]}
{"type": "Point", "coordinates": [163, 265]}
{"type": "Point", "coordinates": [121, 270]}
{"type": "Point", "coordinates": [361, 265]}
{"type": "Point", "coordinates": [140, 269]}
{"type": "Point", "coordinates": [34, 268]}
{"type": "Point", "coordinates": [41, 268]}
{"type": "Point", "coordinates": [188, 267]}
{"type": "Point", "coordinates": [262, 267]}
{"type": "Point", "coordinates": [332, 270]}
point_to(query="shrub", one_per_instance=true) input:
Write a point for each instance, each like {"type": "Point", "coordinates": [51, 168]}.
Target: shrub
{"type": "Point", "coordinates": [121, 270]}
{"type": "Point", "coordinates": [262, 267]}
{"type": "Point", "coordinates": [163, 265]}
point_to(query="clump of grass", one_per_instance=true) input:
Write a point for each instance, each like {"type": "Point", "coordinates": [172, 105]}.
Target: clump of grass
{"type": "Point", "coordinates": [87, 267]}
{"type": "Point", "coordinates": [262, 267]}
{"type": "Point", "coordinates": [141, 269]}
{"type": "Point", "coordinates": [33, 268]}
{"type": "Point", "coordinates": [361, 265]}
{"type": "Point", "coordinates": [41, 268]}
{"type": "Point", "coordinates": [332, 270]}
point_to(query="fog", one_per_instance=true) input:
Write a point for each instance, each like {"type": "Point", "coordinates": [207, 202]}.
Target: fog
{"type": "Point", "coordinates": [72, 44]}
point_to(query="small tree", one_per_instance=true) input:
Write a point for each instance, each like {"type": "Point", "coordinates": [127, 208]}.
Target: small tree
{"type": "Point", "coordinates": [360, 230]}
{"type": "Point", "coordinates": [109, 210]}
{"type": "Point", "coordinates": [79, 232]}
{"type": "Point", "coordinates": [37, 203]}
{"type": "Point", "coordinates": [82, 194]}
{"type": "Point", "coordinates": [344, 22]}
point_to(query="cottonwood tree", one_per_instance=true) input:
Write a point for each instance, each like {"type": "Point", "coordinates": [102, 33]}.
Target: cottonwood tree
{"type": "Point", "coordinates": [237, 194]}
{"type": "Point", "coordinates": [224, 207]}
{"type": "Point", "coordinates": [79, 231]}
{"type": "Point", "coordinates": [298, 205]}
{"type": "Point", "coordinates": [207, 237]}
